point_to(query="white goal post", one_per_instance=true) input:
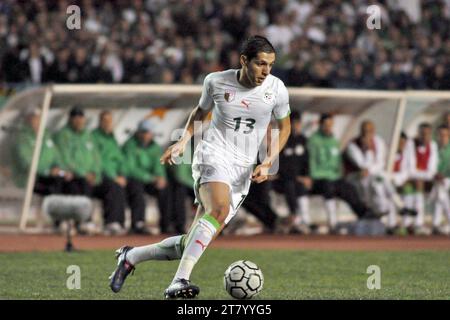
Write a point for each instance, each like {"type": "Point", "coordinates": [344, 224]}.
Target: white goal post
{"type": "Point", "coordinates": [393, 111]}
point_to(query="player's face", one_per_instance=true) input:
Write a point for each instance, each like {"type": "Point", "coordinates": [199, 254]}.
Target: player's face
{"type": "Point", "coordinates": [258, 68]}
{"type": "Point", "coordinates": [78, 122]}
{"type": "Point", "coordinates": [145, 137]}
{"type": "Point", "coordinates": [401, 144]}
{"type": "Point", "coordinates": [34, 122]}
{"type": "Point", "coordinates": [444, 137]}
{"type": "Point", "coordinates": [297, 125]}
{"type": "Point", "coordinates": [106, 122]}
{"type": "Point", "coordinates": [327, 127]}
{"type": "Point", "coordinates": [425, 134]}
{"type": "Point", "coordinates": [368, 130]}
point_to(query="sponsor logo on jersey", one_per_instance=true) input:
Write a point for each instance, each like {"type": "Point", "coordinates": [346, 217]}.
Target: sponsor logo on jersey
{"type": "Point", "coordinates": [245, 103]}
{"type": "Point", "coordinates": [229, 95]}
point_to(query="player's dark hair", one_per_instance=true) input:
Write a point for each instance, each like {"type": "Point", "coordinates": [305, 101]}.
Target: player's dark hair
{"type": "Point", "coordinates": [255, 44]}
{"type": "Point", "coordinates": [443, 127]}
{"type": "Point", "coordinates": [403, 135]}
{"type": "Point", "coordinates": [425, 125]}
{"type": "Point", "coordinates": [324, 117]}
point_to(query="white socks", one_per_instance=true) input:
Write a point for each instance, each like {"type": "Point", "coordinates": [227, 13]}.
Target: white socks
{"type": "Point", "coordinates": [420, 208]}
{"type": "Point", "coordinates": [392, 216]}
{"type": "Point", "coordinates": [330, 206]}
{"type": "Point", "coordinates": [198, 240]}
{"type": "Point", "coordinates": [437, 216]}
{"type": "Point", "coordinates": [442, 204]}
{"type": "Point", "coordinates": [303, 210]}
{"type": "Point", "coordinates": [409, 204]}
{"type": "Point", "coordinates": [168, 249]}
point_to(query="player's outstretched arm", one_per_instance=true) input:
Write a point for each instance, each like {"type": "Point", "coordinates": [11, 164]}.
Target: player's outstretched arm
{"type": "Point", "coordinates": [261, 172]}
{"type": "Point", "coordinates": [177, 149]}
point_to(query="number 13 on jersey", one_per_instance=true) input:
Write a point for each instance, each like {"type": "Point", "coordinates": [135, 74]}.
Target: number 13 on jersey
{"type": "Point", "coordinates": [249, 123]}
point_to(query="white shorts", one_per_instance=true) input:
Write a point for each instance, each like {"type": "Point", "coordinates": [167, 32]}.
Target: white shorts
{"type": "Point", "coordinates": [215, 168]}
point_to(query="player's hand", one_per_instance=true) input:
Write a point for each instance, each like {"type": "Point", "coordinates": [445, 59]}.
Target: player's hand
{"type": "Point", "coordinates": [172, 152]}
{"type": "Point", "coordinates": [306, 181]}
{"type": "Point", "coordinates": [261, 173]}
{"type": "Point", "coordinates": [160, 183]}
{"type": "Point", "coordinates": [68, 176]}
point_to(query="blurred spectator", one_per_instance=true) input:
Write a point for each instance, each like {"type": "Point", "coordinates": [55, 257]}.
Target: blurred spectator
{"type": "Point", "coordinates": [145, 174]}
{"type": "Point", "coordinates": [365, 160]}
{"type": "Point", "coordinates": [401, 176]}
{"type": "Point", "coordinates": [257, 203]}
{"type": "Point", "coordinates": [181, 189]}
{"type": "Point", "coordinates": [113, 172]}
{"type": "Point", "coordinates": [439, 77]}
{"type": "Point", "coordinates": [441, 189]}
{"type": "Point", "coordinates": [424, 163]}
{"type": "Point", "coordinates": [417, 78]}
{"type": "Point", "coordinates": [294, 180]}
{"type": "Point", "coordinates": [50, 176]}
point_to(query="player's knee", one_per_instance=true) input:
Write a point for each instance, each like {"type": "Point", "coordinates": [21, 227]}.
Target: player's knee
{"type": "Point", "coordinates": [220, 212]}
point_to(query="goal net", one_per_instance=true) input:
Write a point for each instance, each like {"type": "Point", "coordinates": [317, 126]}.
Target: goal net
{"type": "Point", "coordinates": [168, 106]}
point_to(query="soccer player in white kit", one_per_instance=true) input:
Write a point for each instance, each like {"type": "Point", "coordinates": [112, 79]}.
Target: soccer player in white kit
{"type": "Point", "coordinates": [242, 102]}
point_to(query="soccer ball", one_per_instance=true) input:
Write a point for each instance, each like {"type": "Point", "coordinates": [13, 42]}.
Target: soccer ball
{"type": "Point", "coordinates": [243, 279]}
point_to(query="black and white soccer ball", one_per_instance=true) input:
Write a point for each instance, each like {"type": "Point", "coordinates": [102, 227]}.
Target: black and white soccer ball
{"type": "Point", "coordinates": [243, 279]}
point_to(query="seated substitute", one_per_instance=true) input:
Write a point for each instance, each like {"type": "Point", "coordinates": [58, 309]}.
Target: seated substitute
{"type": "Point", "coordinates": [423, 152]}
{"type": "Point", "coordinates": [365, 162]}
{"type": "Point", "coordinates": [50, 176]}
{"type": "Point", "coordinates": [112, 172]}
{"type": "Point", "coordinates": [145, 174]}
{"type": "Point", "coordinates": [441, 188]}
{"type": "Point", "coordinates": [401, 179]}
{"type": "Point", "coordinates": [293, 176]}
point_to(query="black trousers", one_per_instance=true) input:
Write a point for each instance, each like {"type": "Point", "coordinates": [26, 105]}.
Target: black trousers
{"type": "Point", "coordinates": [135, 193]}
{"type": "Point", "coordinates": [257, 203]}
{"type": "Point", "coordinates": [46, 185]}
{"type": "Point", "coordinates": [111, 194]}
{"type": "Point", "coordinates": [343, 190]}
{"type": "Point", "coordinates": [292, 189]}
{"type": "Point", "coordinates": [178, 193]}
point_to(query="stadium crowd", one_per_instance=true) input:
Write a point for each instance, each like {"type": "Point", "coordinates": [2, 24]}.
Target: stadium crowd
{"type": "Point", "coordinates": [320, 43]}
{"type": "Point", "coordinates": [76, 161]}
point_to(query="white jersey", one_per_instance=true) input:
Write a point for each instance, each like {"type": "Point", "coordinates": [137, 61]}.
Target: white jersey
{"type": "Point", "coordinates": [240, 115]}
{"type": "Point", "coordinates": [371, 160]}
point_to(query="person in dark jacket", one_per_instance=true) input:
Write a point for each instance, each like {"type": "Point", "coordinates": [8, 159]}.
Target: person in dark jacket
{"type": "Point", "coordinates": [294, 180]}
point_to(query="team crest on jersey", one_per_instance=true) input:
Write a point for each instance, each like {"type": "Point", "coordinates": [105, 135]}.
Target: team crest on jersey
{"type": "Point", "coordinates": [229, 95]}
{"type": "Point", "coordinates": [268, 97]}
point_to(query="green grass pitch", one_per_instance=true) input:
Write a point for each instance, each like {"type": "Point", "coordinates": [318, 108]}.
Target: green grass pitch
{"type": "Point", "coordinates": [288, 275]}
